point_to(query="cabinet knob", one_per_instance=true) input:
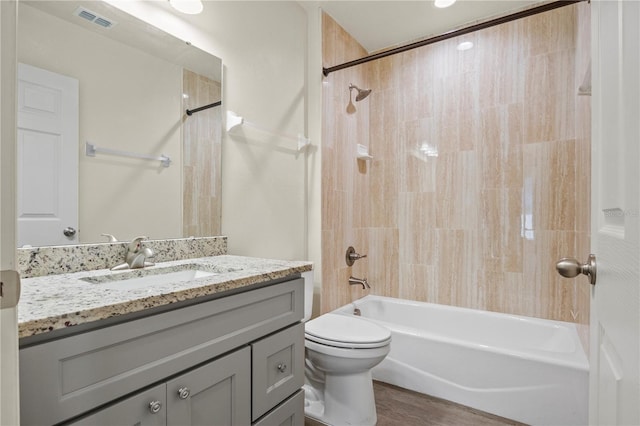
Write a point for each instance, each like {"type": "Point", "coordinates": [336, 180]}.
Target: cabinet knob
{"type": "Point", "coordinates": [183, 393]}
{"type": "Point", "coordinates": [282, 368]}
{"type": "Point", "coordinates": [155, 406]}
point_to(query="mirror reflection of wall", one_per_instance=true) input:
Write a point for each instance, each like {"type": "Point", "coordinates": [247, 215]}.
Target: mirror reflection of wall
{"type": "Point", "coordinates": [132, 100]}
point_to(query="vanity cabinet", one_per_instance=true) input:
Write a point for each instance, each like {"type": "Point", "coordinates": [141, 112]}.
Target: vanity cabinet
{"type": "Point", "coordinates": [229, 361]}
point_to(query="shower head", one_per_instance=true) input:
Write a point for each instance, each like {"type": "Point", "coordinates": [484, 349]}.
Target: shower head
{"type": "Point", "coordinates": [361, 92]}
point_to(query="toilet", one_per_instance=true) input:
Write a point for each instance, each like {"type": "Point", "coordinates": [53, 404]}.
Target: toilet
{"type": "Point", "coordinates": [340, 352]}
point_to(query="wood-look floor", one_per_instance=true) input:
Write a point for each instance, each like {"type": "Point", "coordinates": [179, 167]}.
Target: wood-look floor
{"type": "Point", "coordinates": [396, 406]}
{"type": "Point", "coordinates": [401, 407]}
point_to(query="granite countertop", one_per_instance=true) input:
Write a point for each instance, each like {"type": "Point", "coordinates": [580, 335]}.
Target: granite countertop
{"type": "Point", "coordinates": [58, 301]}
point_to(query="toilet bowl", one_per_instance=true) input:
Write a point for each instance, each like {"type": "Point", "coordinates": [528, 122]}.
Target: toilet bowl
{"type": "Point", "coordinates": [340, 352]}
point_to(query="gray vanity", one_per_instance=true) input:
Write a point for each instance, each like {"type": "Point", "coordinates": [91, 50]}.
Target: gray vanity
{"type": "Point", "coordinates": [226, 349]}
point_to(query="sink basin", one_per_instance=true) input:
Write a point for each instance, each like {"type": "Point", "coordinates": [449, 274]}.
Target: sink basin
{"type": "Point", "coordinates": [142, 278]}
{"type": "Point", "coordinates": [157, 279]}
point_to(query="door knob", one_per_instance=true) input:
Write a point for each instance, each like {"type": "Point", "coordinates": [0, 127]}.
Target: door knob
{"type": "Point", "coordinates": [570, 268]}
{"type": "Point", "coordinates": [69, 231]}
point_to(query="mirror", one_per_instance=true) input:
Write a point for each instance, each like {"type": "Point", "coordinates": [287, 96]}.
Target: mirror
{"type": "Point", "coordinates": [134, 84]}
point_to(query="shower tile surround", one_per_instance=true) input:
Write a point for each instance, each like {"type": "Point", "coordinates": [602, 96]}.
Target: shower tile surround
{"type": "Point", "coordinates": [478, 157]}
{"type": "Point", "coordinates": [202, 154]}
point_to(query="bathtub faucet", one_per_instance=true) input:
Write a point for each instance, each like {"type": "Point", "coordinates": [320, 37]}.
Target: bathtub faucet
{"type": "Point", "coordinates": [357, 281]}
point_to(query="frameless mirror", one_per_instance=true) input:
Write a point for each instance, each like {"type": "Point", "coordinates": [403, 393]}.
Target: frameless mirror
{"type": "Point", "coordinates": [101, 108]}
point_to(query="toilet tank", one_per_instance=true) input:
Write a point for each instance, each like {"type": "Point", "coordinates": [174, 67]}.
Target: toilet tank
{"type": "Point", "coordinates": [308, 294]}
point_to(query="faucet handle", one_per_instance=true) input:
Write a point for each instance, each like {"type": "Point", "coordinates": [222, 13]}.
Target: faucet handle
{"type": "Point", "coordinates": [351, 256]}
{"type": "Point", "coordinates": [110, 237]}
{"type": "Point", "coordinates": [135, 244]}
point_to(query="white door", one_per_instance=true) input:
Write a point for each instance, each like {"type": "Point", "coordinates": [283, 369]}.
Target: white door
{"type": "Point", "coordinates": [615, 212]}
{"type": "Point", "coordinates": [47, 157]}
{"type": "Point", "coordinates": [9, 397]}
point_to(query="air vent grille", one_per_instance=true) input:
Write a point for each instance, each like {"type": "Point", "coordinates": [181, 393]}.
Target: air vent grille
{"type": "Point", "coordinates": [103, 22]}
{"type": "Point", "coordinates": [86, 15]}
{"type": "Point", "coordinates": [94, 17]}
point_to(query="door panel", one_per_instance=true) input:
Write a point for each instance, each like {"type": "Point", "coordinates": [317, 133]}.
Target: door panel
{"type": "Point", "coordinates": [615, 228]}
{"type": "Point", "coordinates": [47, 157]}
{"type": "Point", "coordinates": [9, 402]}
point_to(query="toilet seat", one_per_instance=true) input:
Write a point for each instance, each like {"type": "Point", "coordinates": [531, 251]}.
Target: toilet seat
{"type": "Point", "coordinates": [343, 331]}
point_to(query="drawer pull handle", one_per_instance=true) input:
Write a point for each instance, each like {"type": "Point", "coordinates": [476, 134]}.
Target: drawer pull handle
{"type": "Point", "coordinates": [183, 393]}
{"type": "Point", "coordinates": [282, 368]}
{"type": "Point", "coordinates": [155, 406]}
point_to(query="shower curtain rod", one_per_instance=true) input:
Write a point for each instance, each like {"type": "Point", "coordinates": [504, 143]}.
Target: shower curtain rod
{"type": "Point", "coordinates": [455, 33]}
{"type": "Point", "coordinates": [202, 108]}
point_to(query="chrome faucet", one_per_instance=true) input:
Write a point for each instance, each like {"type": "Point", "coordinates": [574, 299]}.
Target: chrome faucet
{"type": "Point", "coordinates": [358, 281]}
{"type": "Point", "coordinates": [136, 256]}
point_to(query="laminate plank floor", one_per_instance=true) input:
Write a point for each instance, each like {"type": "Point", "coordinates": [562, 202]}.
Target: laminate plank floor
{"type": "Point", "coordinates": [397, 406]}
{"type": "Point", "coordinates": [401, 407]}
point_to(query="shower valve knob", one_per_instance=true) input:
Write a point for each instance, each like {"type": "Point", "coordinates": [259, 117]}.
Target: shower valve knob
{"type": "Point", "coordinates": [351, 256]}
{"type": "Point", "coordinates": [570, 268]}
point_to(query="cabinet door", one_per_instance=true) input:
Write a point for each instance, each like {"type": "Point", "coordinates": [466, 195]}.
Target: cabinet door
{"type": "Point", "coordinates": [146, 408]}
{"type": "Point", "coordinates": [218, 393]}
{"type": "Point", "coordinates": [277, 368]}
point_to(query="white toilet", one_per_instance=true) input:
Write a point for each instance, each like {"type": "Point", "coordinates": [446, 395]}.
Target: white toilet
{"type": "Point", "coordinates": [340, 352]}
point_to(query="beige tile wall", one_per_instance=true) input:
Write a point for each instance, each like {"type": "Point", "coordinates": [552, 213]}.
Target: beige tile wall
{"type": "Point", "coordinates": [478, 157]}
{"type": "Point", "coordinates": [201, 137]}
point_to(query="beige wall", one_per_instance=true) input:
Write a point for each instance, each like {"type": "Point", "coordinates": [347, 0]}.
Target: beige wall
{"type": "Point", "coordinates": [481, 224]}
{"type": "Point", "coordinates": [264, 188]}
{"type": "Point", "coordinates": [129, 101]}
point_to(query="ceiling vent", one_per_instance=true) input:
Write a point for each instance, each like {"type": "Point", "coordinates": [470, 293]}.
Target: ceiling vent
{"type": "Point", "coordinates": [94, 17]}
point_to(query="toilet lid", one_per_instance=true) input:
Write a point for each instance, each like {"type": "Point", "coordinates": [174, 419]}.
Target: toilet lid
{"type": "Point", "coordinates": [346, 331]}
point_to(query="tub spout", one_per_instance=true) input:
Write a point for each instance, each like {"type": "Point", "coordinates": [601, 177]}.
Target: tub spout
{"type": "Point", "coordinates": [359, 281]}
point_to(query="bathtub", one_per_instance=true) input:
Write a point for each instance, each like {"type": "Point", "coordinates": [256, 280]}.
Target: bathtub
{"type": "Point", "coordinates": [526, 369]}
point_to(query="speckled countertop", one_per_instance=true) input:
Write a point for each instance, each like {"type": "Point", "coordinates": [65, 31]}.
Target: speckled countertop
{"type": "Point", "coordinates": [55, 302]}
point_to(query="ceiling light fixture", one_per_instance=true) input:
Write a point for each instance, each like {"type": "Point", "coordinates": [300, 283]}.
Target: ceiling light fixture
{"type": "Point", "coordinates": [190, 7]}
{"type": "Point", "coordinates": [443, 3]}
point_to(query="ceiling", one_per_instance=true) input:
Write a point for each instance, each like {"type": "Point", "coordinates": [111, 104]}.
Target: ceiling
{"type": "Point", "coordinates": [378, 25]}
{"type": "Point", "coordinates": [131, 31]}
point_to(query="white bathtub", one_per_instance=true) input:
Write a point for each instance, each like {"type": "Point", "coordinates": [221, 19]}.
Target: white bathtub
{"type": "Point", "coordinates": [526, 369]}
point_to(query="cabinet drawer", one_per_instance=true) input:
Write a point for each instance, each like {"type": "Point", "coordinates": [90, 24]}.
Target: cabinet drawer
{"type": "Point", "coordinates": [146, 408]}
{"type": "Point", "coordinates": [73, 375]}
{"type": "Point", "coordinates": [289, 413]}
{"type": "Point", "coordinates": [277, 368]}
